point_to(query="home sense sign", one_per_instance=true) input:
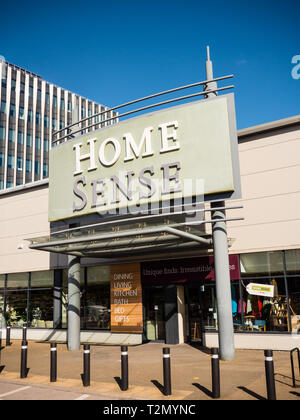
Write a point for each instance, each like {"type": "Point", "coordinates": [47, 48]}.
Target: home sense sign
{"type": "Point", "coordinates": [170, 154]}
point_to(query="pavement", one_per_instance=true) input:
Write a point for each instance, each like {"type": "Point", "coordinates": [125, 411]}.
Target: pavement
{"type": "Point", "coordinates": [241, 379]}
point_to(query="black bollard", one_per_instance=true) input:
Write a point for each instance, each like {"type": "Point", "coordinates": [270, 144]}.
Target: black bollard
{"type": "Point", "coordinates": [24, 338]}
{"type": "Point", "coordinates": [124, 368]}
{"type": "Point", "coordinates": [53, 362]}
{"type": "Point", "coordinates": [8, 343]}
{"type": "Point", "coordinates": [270, 381]}
{"type": "Point", "coordinates": [23, 369]}
{"type": "Point", "coordinates": [167, 371]}
{"type": "Point", "coordinates": [86, 365]}
{"type": "Point", "coordinates": [215, 373]}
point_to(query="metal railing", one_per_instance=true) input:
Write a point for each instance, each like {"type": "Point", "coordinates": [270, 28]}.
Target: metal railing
{"type": "Point", "coordinates": [81, 128]}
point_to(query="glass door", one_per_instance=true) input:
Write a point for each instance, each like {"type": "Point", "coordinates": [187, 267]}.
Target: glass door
{"type": "Point", "coordinates": [154, 313]}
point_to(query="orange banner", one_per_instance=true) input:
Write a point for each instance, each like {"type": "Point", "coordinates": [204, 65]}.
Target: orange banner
{"type": "Point", "coordinates": [126, 298]}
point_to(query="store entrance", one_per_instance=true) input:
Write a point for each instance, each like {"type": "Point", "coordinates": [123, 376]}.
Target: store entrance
{"type": "Point", "coordinates": [202, 311]}
{"type": "Point", "coordinates": [154, 313]}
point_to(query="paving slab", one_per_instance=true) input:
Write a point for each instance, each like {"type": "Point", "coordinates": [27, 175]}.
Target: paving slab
{"type": "Point", "coordinates": [241, 379]}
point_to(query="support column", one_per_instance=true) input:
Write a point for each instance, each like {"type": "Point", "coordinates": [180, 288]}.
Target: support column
{"type": "Point", "coordinates": [221, 258]}
{"type": "Point", "coordinates": [73, 333]}
{"type": "Point", "coordinates": [223, 290]}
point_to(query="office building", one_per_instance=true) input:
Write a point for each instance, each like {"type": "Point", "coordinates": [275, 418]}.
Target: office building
{"type": "Point", "coordinates": [31, 110]}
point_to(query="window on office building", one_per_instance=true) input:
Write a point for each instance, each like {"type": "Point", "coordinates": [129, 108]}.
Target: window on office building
{"type": "Point", "coordinates": [39, 95]}
{"type": "Point", "coordinates": [11, 135]}
{"type": "Point", "coordinates": [3, 107]}
{"type": "Point", "coordinates": [37, 167]}
{"type": "Point", "coordinates": [45, 170]}
{"type": "Point", "coordinates": [19, 163]}
{"type": "Point", "coordinates": [1, 159]}
{"type": "Point", "coordinates": [30, 115]}
{"type": "Point", "coordinates": [22, 87]}
{"type": "Point", "coordinates": [54, 124]}
{"type": "Point", "coordinates": [21, 113]}
{"type": "Point", "coordinates": [31, 91]}
{"type": "Point", "coordinates": [20, 137]}
{"type": "Point", "coordinates": [12, 110]}
{"type": "Point", "coordinates": [47, 98]}
{"type": "Point", "coordinates": [38, 118]}
{"type": "Point", "coordinates": [55, 101]}
{"type": "Point", "coordinates": [46, 145]}
{"type": "Point", "coordinates": [2, 132]}
{"type": "Point", "coordinates": [46, 121]}
{"type": "Point", "coordinates": [10, 161]}
{"type": "Point", "coordinates": [28, 166]}
{"type": "Point", "coordinates": [38, 143]}
{"type": "Point", "coordinates": [13, 84]}
{"type": "Point", "coordinates": [29, 140]}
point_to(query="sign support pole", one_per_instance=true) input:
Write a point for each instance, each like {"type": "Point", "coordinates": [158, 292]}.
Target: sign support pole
{"type": "Point", "coordinates": [221, 259]}
{"type": "Point", "coordinates": [73, 303]}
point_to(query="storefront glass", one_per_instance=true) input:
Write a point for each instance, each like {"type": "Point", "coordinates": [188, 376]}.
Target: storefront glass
{"type": "Point", "coordinates": [16, 299]}
{"type": "Point", "coordinates": [97, 299]}
{"type": "Point", "coordinates": [271, 313]}
{"type": "Point", "coordinates": [16, 307]}
{"type": "Point", "coordinates": [2, 283]}
{"type": "Point", "coordinates": [41, 299]}
{"type": "Point", "coordinates": [154, 300]}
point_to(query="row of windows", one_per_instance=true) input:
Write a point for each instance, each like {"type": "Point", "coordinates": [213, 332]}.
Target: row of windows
{"type": "Point", "coordinates": [12, 138]}
{"type": "Point", "coordinates": [11, 164]}
{"type": "Point", "coordinates": [38, 117]}
{"type": "Point", "coordinates": [39, 94]}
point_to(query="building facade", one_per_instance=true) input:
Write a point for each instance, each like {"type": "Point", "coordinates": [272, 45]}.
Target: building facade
{"type": "Point", "coordinates": [176, 292]}
{"type": "Point", "coordinates": [31, 110]}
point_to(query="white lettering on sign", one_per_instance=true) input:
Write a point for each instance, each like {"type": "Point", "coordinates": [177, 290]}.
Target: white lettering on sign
{"type": "Point", "coordinates": [169, 143]}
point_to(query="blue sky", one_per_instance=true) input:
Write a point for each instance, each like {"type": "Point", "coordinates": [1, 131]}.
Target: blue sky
{"type": "Point", "coordinates": [113, 52]}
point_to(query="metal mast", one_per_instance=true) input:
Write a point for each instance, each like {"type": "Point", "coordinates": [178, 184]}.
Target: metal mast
{"type": "Point", "coordinates": [221, 258]}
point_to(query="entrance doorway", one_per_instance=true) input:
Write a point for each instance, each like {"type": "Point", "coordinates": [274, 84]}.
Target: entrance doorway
{"type": "Point", "coordinates": [202, 310]}
{"type": "Point", "coordinates": [154, 313]}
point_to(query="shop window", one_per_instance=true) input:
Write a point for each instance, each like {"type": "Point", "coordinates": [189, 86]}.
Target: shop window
{"type": "Point", "coordinates": [41, 308]}
{"type": "Point", "coordinates": [16, 299]}
{"type": "Point", "coordinates": [294, 297]}
{"type": "Point", "coordinates": [17, 281]}
{"type": "Point", "coordinates": [265, 313]}
{"type": "Point", "coordinates": [292, 261]}
{"type": "Point", "coordinates": [2, 318]}
{"type": "Point", "coordinates": [97, 299]}
{"type": "Point", "coordinates": [16, 307]}
{"type": "Point", "coordinates": [261, 263]}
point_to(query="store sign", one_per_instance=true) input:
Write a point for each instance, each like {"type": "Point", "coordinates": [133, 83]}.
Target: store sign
{"type": "Point", "coordinates": [186, 270]}
{"type": "Point", "coordinates": [175, 153]}
{"type": "Point", "coordinates": [260, 289]}
{"type": "Point", "coordinates": [126, 298]}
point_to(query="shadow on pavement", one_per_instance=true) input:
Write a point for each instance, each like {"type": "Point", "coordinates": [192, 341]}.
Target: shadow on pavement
{"type": "Point", "coordinates": [252, 393]}
{"type": "Point", "coordinates": [203, 389]}
{"type": "Point", "coordinates": [119, 382]}
{"type": "Point", "coordinates": [159, 386]}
